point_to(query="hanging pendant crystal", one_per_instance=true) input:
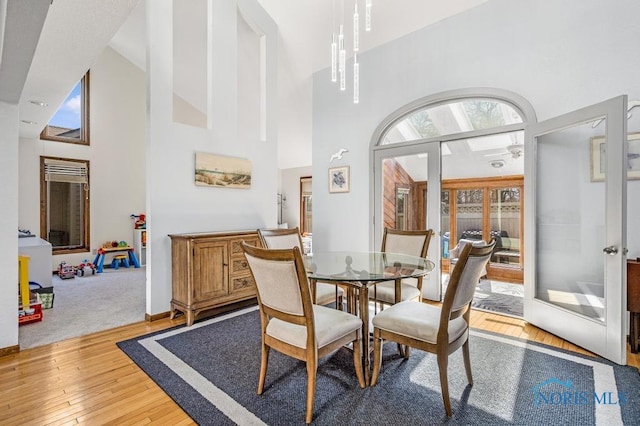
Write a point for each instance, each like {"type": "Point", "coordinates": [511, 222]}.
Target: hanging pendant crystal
{"type": "Point", "coordinates": [356, 28]}
{"type": "Point", "coordinates": [343, 72]}
{"type": "Point", "coordinates": [367, 15]}
{"type": "Point", "coordinates": [356, 79]}
{"type": "Point", "coordinates": [342, 58]}
{"type": "Point", "coordinates": [334, 58]}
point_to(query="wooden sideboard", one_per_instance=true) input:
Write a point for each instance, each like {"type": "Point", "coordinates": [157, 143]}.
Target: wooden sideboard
{"type": "Point", "coordinates": [633, 302]}
{"type": "Point", "coordinates": [209, 270]}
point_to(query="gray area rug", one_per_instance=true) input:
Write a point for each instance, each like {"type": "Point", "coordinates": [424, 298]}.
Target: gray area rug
{"type": "Point", "coordinates": [499, 297]}
{"type": "Point", "coordinates": [85, 305]}
{"type": "Point", "coordinates": [211, 371]}
{"type": "Point", "coordinates": [496, 296]}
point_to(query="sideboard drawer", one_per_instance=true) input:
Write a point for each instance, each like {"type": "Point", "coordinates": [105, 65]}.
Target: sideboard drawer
{"type": "Point", "coordinates": [243, 283]}
{"type": "Point", "coordinates": [239, 266]}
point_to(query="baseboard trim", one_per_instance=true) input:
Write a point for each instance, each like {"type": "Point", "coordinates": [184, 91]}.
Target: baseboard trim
{"type": "Point", "coordinates": [156, 317]}
{"type": "Point", "coordinates": [10, 350]}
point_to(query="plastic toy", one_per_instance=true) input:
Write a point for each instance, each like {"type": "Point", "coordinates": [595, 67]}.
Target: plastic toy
{"type": "Point", "coordinates": [85, 268]}
{"type": "Point", "coordinates": [66, 271]}
{"type": "Point", "coordinates": [141, 221]}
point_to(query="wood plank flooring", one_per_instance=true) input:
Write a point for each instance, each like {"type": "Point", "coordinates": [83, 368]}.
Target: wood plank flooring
{"type": "Point", "coordinates": [89, 380]}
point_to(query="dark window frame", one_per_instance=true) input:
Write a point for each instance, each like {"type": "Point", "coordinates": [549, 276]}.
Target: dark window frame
{"type": "Point", "coordinates": [84, 119]}
{"type": "Point", "coordinates": [86, 244]}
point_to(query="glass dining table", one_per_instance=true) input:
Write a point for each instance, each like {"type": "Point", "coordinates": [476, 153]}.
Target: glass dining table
{"type": "Point", "coordinates": [358, 272]}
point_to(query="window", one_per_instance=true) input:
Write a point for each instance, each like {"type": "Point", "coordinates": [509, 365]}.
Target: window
{"type": "Point", "coordinates": [71, 122]}
{"type": "Point", "coordinates": [485, 208]}
{"type": "Point", "coordinates": [448, 118]}
{"type": "Point", "coordinates": [306, 217]}
{"type": "Point", "coordinates": [64, 201]}
{"type": "Point", "coordinates": [402, 207]}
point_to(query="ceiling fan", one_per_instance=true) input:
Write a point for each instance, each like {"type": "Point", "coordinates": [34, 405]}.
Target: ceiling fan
{"type": "Point", "coordinates": [514, 150]}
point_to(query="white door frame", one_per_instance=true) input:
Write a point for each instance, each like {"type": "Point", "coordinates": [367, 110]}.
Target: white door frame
{"type": "Point", "coordinates": [607, 338]}
{"type": "Point", "coordinates": [431, 288]}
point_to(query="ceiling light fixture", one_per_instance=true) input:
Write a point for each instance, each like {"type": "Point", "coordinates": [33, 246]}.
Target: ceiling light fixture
{"type": "Point", "coordinates": [29, 122]}
{"type": "Point", "coordinates": [338, 52]}
{"type": "Point", "coordinates": [497, 163]}
{"type": "Point", "coordinates": [39, 103]}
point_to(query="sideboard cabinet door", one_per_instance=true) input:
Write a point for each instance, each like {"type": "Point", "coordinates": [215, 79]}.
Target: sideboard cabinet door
{"type": "Point", "coordinates": [211, 279]}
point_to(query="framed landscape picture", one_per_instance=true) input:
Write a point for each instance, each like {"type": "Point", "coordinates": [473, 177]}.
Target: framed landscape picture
{"type": "Point", "coordinates": [339, 179]}
{"type": "Point", "coordinates": [221, 171]}
{"type": "Point", "coordinates": [599, 158]}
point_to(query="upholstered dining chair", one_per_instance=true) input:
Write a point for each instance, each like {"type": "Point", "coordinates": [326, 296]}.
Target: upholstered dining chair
{"type": "Point", "coordinates": [288, 238]}
{"type": "Point", "coordinates": [415, 243]}
{"type": "Point", "coordinates": [437, 329]}
{"type": "Point", "coordinates": [454, 253]}
{"type": "Point", "coordinates": [291, 323]}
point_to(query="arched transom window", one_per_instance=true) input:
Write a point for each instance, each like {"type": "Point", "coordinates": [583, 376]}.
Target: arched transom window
{"type": "Point", "coordinates": [458, 116]}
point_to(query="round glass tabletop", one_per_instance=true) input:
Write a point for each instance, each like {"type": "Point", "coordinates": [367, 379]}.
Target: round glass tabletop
{"type": "Point", "coordinates": [364, 266]}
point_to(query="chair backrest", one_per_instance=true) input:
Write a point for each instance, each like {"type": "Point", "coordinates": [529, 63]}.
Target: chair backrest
{"type": "Point", "coordinates": [280, 238]}
{"type": "Point", "coordinates": [414, 243]}
{"type": "Point", "coordinates": [476, 243]}
{"type": "Point", "coordinates": [463, 280]}
{"type": "Point", "coordinates": [281, 283]}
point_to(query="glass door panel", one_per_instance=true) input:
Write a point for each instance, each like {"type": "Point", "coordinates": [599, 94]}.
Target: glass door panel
{"type": "Point", "coordinates": [445, 220]}
{"type": "Point", "coordinates": [504, 217]}
{"type": "Point", "coordinates": [576, 217]}
{"type": "Point", "coordinates": [571, 223]}
{"type": "Point", "coordinates": [406, 197]}
{"type": "Point", "coordinates": [469, 218]}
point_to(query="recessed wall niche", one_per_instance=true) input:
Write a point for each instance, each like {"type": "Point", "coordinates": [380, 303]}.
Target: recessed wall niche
{"type": "Point", "coordinates": [251, 85]}
{"type": "Point", "coordinates": [190, 65]}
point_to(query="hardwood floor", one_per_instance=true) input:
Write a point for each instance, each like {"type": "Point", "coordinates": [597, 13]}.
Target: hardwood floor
{"type": "Point", "coordinates": [89, 380]}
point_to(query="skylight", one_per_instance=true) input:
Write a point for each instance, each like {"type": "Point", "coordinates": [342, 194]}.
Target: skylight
{"type": "Point", "coordinates": [453, 117]}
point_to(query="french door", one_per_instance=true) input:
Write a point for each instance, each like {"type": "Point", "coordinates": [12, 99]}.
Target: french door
{"type": "Point", "coordinates": [423, 159]}
{"type": "Point", "coordinates": [575, 220]}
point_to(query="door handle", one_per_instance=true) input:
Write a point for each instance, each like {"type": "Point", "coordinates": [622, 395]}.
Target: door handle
{"type": "Point", "coordinates": [611, 250]}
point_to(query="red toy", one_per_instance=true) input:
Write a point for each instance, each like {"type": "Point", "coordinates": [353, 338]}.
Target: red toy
{"type": "Point", "coordinates": [141, 221]}
{"type": "Point", "coordinates": [66, 271]}
{"type": "Point", "coordinates": [85, 268]}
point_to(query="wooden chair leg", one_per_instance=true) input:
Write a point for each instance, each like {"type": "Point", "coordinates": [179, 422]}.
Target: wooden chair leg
{"type": "Point", "coordinates": [467, 361]}
{"type": "Point", "coordinates": [407, 352]}
{"type": "Point", "coordinates": [377, 357]}
{"type": "Point", "coordinates": [263, 368]}
{"type": "Point", "coordinates": [312, 366]}
{"type": "Point", "coordinates": [357, 360]}
{"type": "Point", "coordinates": [443, 360]}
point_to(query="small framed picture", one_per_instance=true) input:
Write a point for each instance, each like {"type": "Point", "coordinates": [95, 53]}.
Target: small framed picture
{"type": "Point", "coordinates": [599, 157]}
{"type": "Point", "coordinates": [339, 179]}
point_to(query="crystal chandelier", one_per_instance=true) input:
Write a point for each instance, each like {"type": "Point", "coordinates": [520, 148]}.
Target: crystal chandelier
{"type": "Point", "coordinates": [338, 52]}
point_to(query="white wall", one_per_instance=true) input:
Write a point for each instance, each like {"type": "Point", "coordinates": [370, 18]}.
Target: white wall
{"type": "Point", "coordinates": [116, 157]}
{"type": "Point", "coordinates": [8, 224]}
{"type": "Point", "coordinates": [560, 56]}
{"type": "Point", "coordinates": [174, 203]}
{"type": "Point", "coordinates": [290, 187]}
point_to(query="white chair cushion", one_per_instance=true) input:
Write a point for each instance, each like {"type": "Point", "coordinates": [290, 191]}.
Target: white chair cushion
{"type": "Point", "coordinates": [331, 325]}
{"type": "Point", "coordinates": [386, 291]}
{"type": "Point", "coordinates": [418, 321]}
{"type": "Point", "coordinates": [326, 293]}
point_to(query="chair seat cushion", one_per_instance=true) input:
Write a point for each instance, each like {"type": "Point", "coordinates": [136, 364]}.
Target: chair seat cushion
{"type": "Point", "coordinates": [417, 320]}
{"type": "Point", "coordinates": [326, 293]}
{"type": "Point", "coordinates": [386, 292]}
{"type": "Point", "coordinates": [331, 325]}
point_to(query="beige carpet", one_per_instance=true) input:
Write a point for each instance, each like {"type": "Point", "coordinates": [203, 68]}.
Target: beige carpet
{"type": "Point", "coordinates": [85, 305]}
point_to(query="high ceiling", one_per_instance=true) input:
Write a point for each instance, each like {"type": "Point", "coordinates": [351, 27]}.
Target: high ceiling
{"type": "Point", "coordinates": [76, 31]}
